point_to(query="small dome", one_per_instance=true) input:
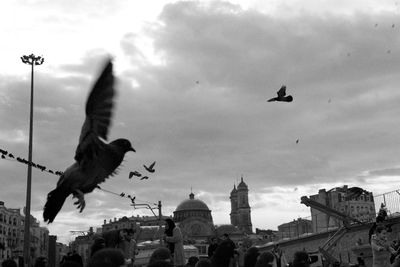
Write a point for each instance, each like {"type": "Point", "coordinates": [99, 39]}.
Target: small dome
{"type": "Point", "coordinates": [192, 204]}
{"type": "Point", "coordinates": [234, 190]}
{"type": "Point", "coordinates": [242, 185]}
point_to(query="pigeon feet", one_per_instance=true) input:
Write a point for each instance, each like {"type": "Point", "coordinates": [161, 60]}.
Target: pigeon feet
{"type": "Point", "coordinates": [81, 200]}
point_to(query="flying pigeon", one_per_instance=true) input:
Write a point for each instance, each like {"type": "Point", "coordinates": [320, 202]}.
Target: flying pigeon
{"type": "Point", "coordinates": [95, 160]}
{"type": "Point", "coordinates": [354, 192]}
{"type": "Point", "coordinates": [282, 96]}
{"type": "Point", "coordinates": [144, 177]}
{"type": "Point", "coordinates": [150, 168]}
{"type": "Point", "coordinates": [136, 173]}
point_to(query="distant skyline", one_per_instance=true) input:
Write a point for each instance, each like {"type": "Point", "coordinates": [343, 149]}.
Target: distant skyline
{"type": "Point", "coordinates": [193, 80]}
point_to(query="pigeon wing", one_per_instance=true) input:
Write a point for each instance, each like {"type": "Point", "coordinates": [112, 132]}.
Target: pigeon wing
{"type": "Point", "coordinates": [282, 91]}
{"type": "Point", "coordinates": [152, 165]}
{"type": "Point", "coordinates": [99, 107]}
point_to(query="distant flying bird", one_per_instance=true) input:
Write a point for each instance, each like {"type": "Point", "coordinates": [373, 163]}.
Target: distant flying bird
{"type": "Point", "coordinates": [144, 178]}
{"type": "Point", "coordinates": [297, 141]}
{"type": "Point", "coordinates": [388, 51]}
{"type": "Point", "coordinates": [150, 168]}
{"type": "Point", "coordinates": [122, 194]}
{"type": "Point", "coordinates": [95, 160]}
{"type": "Point", "coordinates": [134, 173]}
{"type": "Point", "coordinates": [354, 192]}
{"type": "Point", "coordinates": [376, 24]}
{"type": "Point", "coordinates": [282, 96]}
{"type": "Point", "coordinates": [3, 157]}
{"type": "Point", "coordinates": [11, 155]}
{"type": "Point", "coordinates": [392, 25]}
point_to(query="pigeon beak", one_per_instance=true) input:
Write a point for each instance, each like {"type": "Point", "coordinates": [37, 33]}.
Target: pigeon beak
{"type": "Point", "coordinates": [132, 149]}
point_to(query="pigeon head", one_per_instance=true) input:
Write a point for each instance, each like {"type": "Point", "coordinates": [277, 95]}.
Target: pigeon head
{"type": "Point", "coordinates": [289, 98]}
{"type": "Point", "coordinates": [124, 144]}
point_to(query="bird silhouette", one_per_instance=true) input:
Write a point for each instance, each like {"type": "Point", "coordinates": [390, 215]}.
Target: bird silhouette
{"type": "Point", "coordinates": [144, 178]}
{"type": "Point", "coordinates": [134, 173]}
{"type": "Point", "coordinates": [95, 160]}
{"type": "Point", "coordinates": [297, 141]}
{"type": "Point", "coordinates": [150, 168]}
{"type": "Point", "coordinates": [354, 192]}
{"type": "Point", "coordinates": [282, 96]}
{"type": "Point", "coordinates": [122, 194]}
{"type": "Point", "coordinates": [132, 199]}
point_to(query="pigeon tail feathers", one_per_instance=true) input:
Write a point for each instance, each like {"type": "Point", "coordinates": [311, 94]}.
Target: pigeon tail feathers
{"type": "Point", "coordinates": [55, 201]}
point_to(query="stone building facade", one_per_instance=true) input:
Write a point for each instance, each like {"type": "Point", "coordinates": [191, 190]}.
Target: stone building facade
{"type": "Point", "coordinates": [361, 207]}
{"type": "Point", "coordinates": [12, 235]}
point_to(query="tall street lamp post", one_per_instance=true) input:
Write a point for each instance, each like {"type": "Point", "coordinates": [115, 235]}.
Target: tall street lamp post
{"type": "Point", "coordinates": [30, 60]}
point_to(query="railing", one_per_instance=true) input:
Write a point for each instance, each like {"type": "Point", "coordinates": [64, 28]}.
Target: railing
{"type": "Point", "coordinates": [391, 200]}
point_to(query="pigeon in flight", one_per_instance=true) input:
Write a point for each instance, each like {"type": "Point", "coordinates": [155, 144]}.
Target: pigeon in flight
{"type": "Point", "coordinates": [150, 168]}
{"type": "Point", "coordinates": [144, 177]}
{"type": "Point", "coordinates": [282, 96]}
{"type": "Point", "coordinates": [134, 173]}
{"type": "Point", "coordinates": [95, 160]}
{"type": "Point", "coordinates": [354, 192]}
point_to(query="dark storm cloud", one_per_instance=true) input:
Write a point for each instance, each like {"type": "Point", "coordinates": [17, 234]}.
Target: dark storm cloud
{"type": "Point", "coordinates": [336, 66]}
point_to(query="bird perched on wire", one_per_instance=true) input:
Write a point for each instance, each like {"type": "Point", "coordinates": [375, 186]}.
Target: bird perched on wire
{"type": "Point", "coordinates": [150, 168]}
{"type": "Point", "coordinates": [95, 160]}
{"type": "Point", "coordinates": [354, 192]}
{"type": "Point", "coordinates": [134, 173]}
{"type": "Point", "coordinates": [282, 96]}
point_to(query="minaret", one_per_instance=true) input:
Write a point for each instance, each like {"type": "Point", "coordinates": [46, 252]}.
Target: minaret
{"type": "Point", "coordinates": [243, 208]}
{"type": "Point", "coordinates": [234, 206]}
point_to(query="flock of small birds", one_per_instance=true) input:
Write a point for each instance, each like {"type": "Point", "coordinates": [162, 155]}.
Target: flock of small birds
{"type": "Point", "coordinates": [150, 169]}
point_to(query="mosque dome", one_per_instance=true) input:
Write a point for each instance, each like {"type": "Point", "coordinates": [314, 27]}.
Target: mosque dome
{"type": "Point", "coordinates": [192, 208]}
{"type": "Point", "coordinates": [194, 218]}
{"type": "Point", "coordinates": [192, 204]}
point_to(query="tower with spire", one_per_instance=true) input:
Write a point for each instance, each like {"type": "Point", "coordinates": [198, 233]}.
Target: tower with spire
{"type": "Point", "coordinates": [240, 208]}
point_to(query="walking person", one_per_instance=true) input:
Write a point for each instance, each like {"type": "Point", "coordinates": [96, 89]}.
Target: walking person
{"type": "Point", "coordinates": [174, 239]}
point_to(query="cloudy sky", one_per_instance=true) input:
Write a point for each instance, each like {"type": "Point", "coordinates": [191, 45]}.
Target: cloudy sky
{"type": "Point", "coordinates": [193, 80]}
